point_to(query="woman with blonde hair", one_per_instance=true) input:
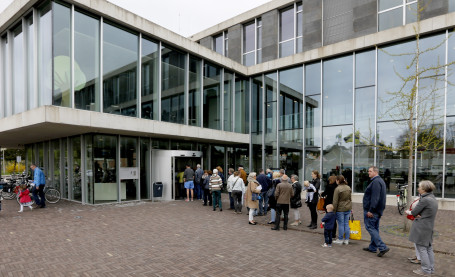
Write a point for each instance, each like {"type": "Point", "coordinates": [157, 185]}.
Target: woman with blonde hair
{"type": "Point", "coordinates": [276, 179]}
{"type": "Point", "coordinates": [253, 205]}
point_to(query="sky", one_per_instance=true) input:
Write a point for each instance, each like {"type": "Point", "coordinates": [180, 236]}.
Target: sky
{"type": "Point", "coordinates": [184, 17]}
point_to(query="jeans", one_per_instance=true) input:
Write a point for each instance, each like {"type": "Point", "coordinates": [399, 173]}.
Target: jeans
{"type": "Point", "coordinates": [231, 201]}
{"type": "Point", "coordinates": [426, 258]}
{"type": "Point", "coordinates": [343, 225]}
{"type": "Point", "coordinates": [372, 226]}
{"type": "Point", "coordinates": [282, 208]}
{"type": "Point", "coordinates": [40, 201]}
{"type": "Point", "coordinates": [272, 215]}
{"type": "Point", "coordinates": [328, 236]}
{"type": "Point", "coordinates": [237, 197]}
{"type": "Point", "coordinates": [216, 199]}
{"type": "Point", "coordinates": [263, 203]}
{"type": "Point", "coordinates": [198, 191]}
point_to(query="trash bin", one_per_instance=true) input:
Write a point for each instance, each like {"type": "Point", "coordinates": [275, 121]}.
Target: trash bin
{"type": "Point", "coordinates": [158, 189]}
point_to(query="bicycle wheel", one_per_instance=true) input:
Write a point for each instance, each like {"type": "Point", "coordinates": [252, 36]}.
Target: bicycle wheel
{"type": "Point", "coordinates": [8, 195]}
{"type": "Point", "coordinates": [401, 205]}
{"type": "Point", "coordinates": [52, 196]}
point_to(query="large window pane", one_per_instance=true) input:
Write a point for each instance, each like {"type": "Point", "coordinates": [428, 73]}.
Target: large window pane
{"type": "Point", "coordinates": [337, 91]}
{"type": "Point", "coordinates": [90, 176]}
{"type": "Point", "coordinates": [194, 105]}
{"type": "Point", "coordinates": [212, 100]}
{"type": "Point", "coordinates": [86, 66]}
{"type": "Point", "coordinates": [312, 161]}
{"type": "Point", "coordinates": [313, 120]}
{"type": "Point", "coordinates": [286, 48]}
{"type": "Point", "coordinates": [105, 169]}
{"type": "Point", "coordinates": [145, 168]}
{"type": "Point", "coordinates": [313, 79]}
{"type": "Point", "coordinates": [172, 85]}
{"type": "Point", "coordinates": [45, 55]}
{"type": "Point", "coordinates": [30, 45]}
{"type": "Point", "coordinates": [393, 164]}
{"type": "Point", "coordinates": [337, 152]}
{"type": "Point", "coordinates": [248, 37]}
{"type": "Point", "coordinates": [149, 79]}
{"type": "Point", "coordinates": [227, 95]}
{"type": "Point", "coordinates": [242, 103]}
{"type": "Point", "coordinates": [271, 120]}
{"type": "Point", "coordinates": [365, 69]}
{"type": "Point", "coordinates": [257, 111]}
{"type": "Point", "coordinates": [387, 4]}
{"type": "Point", "coordinates": [411, 13]}
{"type": "Point", "coordinates": [5, 108]}
{"type": "Point", "coordinates": [128, 159]}
{"type": "Point", "coordinates": [248, 59]}
{"type": "Point", "coordinates": [390, 19]}
{"type": "Point", "coordinates": [291, 120]}
{"type": "Point", "coordinates": [120, 58]}
{"type": "Point", "coordinates": [449, 189]}
{"type": "Point", "coordinates": [62, 55]}
{"type": "Point", "coordinates": [18, 71]}
{"type": "Point", "coordinates": [76, 174]}
{"type": "Point", "coordinates": [218, 44]}
{"type": "Point", "coordinates": [287, 24]}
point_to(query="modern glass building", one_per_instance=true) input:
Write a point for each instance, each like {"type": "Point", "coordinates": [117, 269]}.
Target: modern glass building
{"type": "Point", "coordinates": [98, 96]}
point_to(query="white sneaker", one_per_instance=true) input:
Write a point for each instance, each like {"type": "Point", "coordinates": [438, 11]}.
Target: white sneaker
{"type": "Point", "coordinates": [338, 241]}
{"type": "Point", "coordinates": [346, 242]}
{"type": "Point", "coordinates": [19, 211]}
{"type": "Point", "coordinates": [326, 245]}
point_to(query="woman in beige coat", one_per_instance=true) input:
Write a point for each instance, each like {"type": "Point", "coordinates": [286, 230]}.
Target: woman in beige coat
{"type": "Point", "coordinates": [250, 203]}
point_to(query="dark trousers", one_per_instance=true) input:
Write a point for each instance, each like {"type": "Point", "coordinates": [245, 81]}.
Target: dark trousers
{"type": "Point", "coordinates": [40, 201]}
{"type": "Point", "coordinates": [231, 201]}
{"type": "Point", "coordinates": [237, 197]}
{"type": "Point", "coordinates": [216, 195]}
{"type": "Point", "coordinates": [314, 213]}
{"type": "Point", "coordinates": [282, 208]}
{"type": "Point", "coordinates": [207, 197]}
{"type": "Point", "coordinates": [328, 236]}
{"type": "Point", "coordinates": [197, 191]}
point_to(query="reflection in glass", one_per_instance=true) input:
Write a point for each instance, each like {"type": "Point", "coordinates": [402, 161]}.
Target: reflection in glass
{"type": "Point", "coordinates": [105, 169]}
{"type": "Point", "coordinates": [64, 187]}
{"type": "Point", "coordinates": [212, 101]}
{"type": "Point", "coordinates": [312, 161]}
{"type": "Point", "coordinates": [387, 4]}
{"type": "Point", "coordinates": [238, 156]}
{"type": "Point", "coordinates": [313, 79]}
{"type": "Point", "coordinates": [218, 44]}
{"type": "Point", "coordinates": [89, 176]}
{"type": "Point", "coordinates": [450, 109]}
{"type": "Point", "coordinates": [287, 24]}
{"type": "Point", "coordinates": [76, 174]}
{"type": "Point", "coordinates": [248, 59]}
{"type": "Point", "coordinates": [172, 85]}
{"type": "Point", "coordinates": [45, 55]}
{"type": "Point", "coordinates": [390, 19]}
{"type": "Point", "coordinates": [227, 95]}
{"type": "Point", "coordinates": [120, 59]}
{"type": "Point", "coordinates": [194, 94]}
{"type": "Point", "coordinates": [217, 158]}
{"type": "Point", "coordinates": [5, 109]}
{"type": "Point", "coordinates": [271, 120]}
{"type": "Point", "coordinates": [286, 48]}
{"type": "Point", "coordinates": [313, 120]}
{"type": "Point", "coordinates": [449, 188]}
{"type": "Point", "coordinates": [242, 103]}
{"type": "Point", "coordinates": [337, 91]}
{"type": "Point", "coordinates": [248, 37]}
{"type": "Point", "coordinates": [393, 163]}
{"type": "Point", "coordinates": [30, 45]}
{"type": "Point", "coordinates": [145, 169]}
{"type": "Point", "coordinates": [257, 111]}
{"type": "Point", "coordinates": [365, 69]}
{"type": "Point", "coordinates": [337, 152]}
{"type": "Point", "coordinates": [62, 55]}
{"type": "Point", "coordinates": [86, 67]}
{"type": "Point", "coordinates": [364, 116]}
{"type": "Point", "coordinates": [291, 120]}
{"type": "Point", "coordinates": [411, 13]}
{"type": "Point", "coordinates": [128, 158]}
{"type": "Point", "coordinates": [18, 71]}
{"type": "Point", "coordinates": [56, 163]}
{"type": "Point", "coordinates": [149, 79]}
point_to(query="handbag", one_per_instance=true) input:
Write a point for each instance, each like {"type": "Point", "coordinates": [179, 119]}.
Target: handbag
{"type": "Point", "coordinates": [413, 204]}
{"type": "Point", "coordinates": [355, 228]}
{"type": "Point", "coordinates": [320, 205]}
{"type": "Point", "coordinates": [271, 192]}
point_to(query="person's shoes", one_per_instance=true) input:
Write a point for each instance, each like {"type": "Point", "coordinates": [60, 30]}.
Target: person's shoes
{"type": "Point", "coordinates": [285, 228]}
{"type": "Point", "coordinates": [294, 224]}
{"type": "Point", "coordinates": [42, 207]}
{"type": "Point", "coordinates": [309, 225]}
{"type": "Point", "coordinates": [420, 272]}
{"type": "Point", "coordinates": [275, 229]}
{"type": "Point", "coordinates": [346, 242]}
{"type": "Point", "coordinates": [313, 227]}
{"type": "Point", "coordinates": [259, 214]}
{"type": "Point", "coordinates": [31, 208]}
{"type": "Point", "coordinates": [368, 249]}
{"type": "Point", "coordinates": [214, 209]}
{"type": "Point", "coordinates": [271, 222]}
{"type": "Point", "coordinates": [252, 223]}
{"type": "Point", "coordinates": [326, 245]}
{"type": "Point", "coordinates": [413, 258]}
{"type": "Point", "coordinates": [338, 241]}
{"type": "Point", "coordinates": [381, 253]}
{"type": "Point", "coordinates": [300, 222]}
{"type": "Point", "coordinates": [191, 200]}
{"type": "Point", "coordinates": [221, 210]}
{"type": "Point", "coordinates": [187, 200]}
{"type": "Point", "coordinates": [204, 204]}
{"type": "Point", "coordinates": [19, 211]}
{"type": "Point", "coordinates": [415, 261]}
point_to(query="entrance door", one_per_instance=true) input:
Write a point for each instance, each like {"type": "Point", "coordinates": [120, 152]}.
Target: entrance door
{"type": "Point", "coordinates": [179, 166]}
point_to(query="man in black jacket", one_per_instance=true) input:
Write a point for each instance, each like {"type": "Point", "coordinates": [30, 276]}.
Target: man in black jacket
{"type": "Point", "coordinates": [374, 200]}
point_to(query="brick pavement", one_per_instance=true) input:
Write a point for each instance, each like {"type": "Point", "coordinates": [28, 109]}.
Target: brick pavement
{"type": "Point", "coordinates": [186, 239]}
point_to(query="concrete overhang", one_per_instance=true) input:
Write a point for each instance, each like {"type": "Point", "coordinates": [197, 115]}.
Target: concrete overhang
{"type": "Point", "coordinates": [52, 122]}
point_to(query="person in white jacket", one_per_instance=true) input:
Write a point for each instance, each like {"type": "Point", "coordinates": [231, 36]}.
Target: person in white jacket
{"type": "Point", "coordinates": [237, 186]}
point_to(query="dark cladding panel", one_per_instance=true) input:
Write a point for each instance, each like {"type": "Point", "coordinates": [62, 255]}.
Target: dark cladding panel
{"type": "Point", "coordinates": [312, 24]}
{"type": "Point", "coordinates": [235, 43]}
{"type": "Point", "coordinates": [270, 35]}
{"type": "Point", "coordinates": [206, 42]}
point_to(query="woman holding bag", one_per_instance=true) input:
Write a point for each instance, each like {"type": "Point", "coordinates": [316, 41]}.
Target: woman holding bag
{"type": "Point", "coordinates": [250, 203]}
{"type": "Point", "coordinates": [316, 182]}
{"type": "Point", "coordinates": [342, 205]}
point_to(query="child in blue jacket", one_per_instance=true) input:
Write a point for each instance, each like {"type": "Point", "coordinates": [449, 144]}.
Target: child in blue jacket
{"type": "Point", "coordinates": [329, 223]}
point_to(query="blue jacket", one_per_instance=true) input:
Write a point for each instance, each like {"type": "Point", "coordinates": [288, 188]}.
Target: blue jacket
{"type": "Point", "coordinates": [375, 196]}
{"type": "Point", "coordinates": [264, 182]}
{"type": "Point", "coordinates": [329, 220]}
{"type": "Point", "coordinates": [38, 177]}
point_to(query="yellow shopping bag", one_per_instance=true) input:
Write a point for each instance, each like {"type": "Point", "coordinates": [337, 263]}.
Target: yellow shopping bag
{"type": "Point", "coordinates": [356, 229]}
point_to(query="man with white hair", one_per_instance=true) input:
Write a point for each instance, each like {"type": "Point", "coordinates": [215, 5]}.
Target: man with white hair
{"type": "Point", "coordinates": [215, 185]}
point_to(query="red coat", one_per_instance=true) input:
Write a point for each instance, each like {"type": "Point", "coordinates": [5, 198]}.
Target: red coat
{"type": "Point", "coordinates": [24, 196]}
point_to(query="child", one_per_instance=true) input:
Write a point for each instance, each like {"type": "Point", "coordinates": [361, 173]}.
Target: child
{"type": "Point", "coordinates": [329, 222]}
{"type": "Point", "coordinates": [309, 195]}
{"type": "Point", "coordinates": [24, 198]}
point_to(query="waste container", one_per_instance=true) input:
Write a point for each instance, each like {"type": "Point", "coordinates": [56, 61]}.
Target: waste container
{"type": "Point", "coordinates": [158, 189]}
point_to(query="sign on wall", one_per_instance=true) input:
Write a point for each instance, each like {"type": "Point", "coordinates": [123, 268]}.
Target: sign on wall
{"type": "Point", "coordinates": [128, 173]}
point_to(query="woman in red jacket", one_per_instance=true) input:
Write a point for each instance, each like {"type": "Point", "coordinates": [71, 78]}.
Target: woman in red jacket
{"type": "Point", "coordinates": [24, 198]}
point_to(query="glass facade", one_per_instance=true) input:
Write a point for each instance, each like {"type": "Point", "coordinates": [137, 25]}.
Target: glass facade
{"type": "Point", "coordinates": [212, 97]}
{"type": "Point", "coordinates": [149, 79]}
{"type": "Point", "coordinates": [62, 63]}
{"type": "Point", "coordinates": [172, 85]}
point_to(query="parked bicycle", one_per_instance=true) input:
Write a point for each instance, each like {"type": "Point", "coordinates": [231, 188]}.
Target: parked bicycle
{"type": "Point", "coordinates": [51, 194]}
{"type": "Point", "coordinates": [402, 197]}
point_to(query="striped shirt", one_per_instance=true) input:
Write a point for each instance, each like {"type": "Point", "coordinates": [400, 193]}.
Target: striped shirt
{"type": "Point", "coordinates": [215, 182]}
